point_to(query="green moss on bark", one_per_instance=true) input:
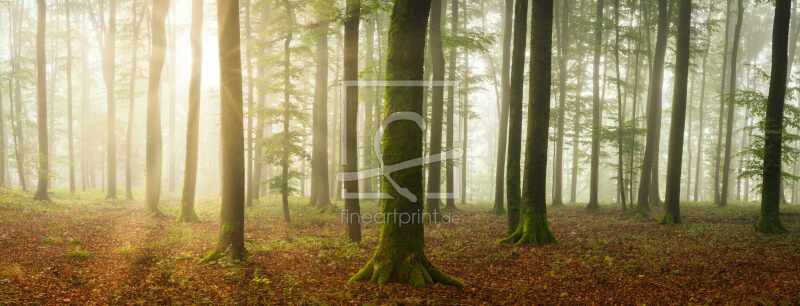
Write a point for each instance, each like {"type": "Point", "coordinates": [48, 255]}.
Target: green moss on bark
{"type": "Point", "coordinates": [533, 229]}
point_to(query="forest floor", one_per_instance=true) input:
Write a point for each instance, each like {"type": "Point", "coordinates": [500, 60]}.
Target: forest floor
{"type": "Point", "coordinates": [83, 250]}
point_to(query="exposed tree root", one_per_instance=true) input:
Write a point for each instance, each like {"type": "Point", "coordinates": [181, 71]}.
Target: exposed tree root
{"type": "Point", "coordinates": [770, 226]}
{"type": "Point", "coordinates": [533, 230]}
{"type": "Point", "coordinates": [414, 270]}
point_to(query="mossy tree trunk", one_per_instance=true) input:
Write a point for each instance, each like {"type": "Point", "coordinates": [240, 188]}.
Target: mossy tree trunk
{"type": "Point", "coordinates": [193, 121]}
{"type": "Point", "coordinates": [400, 255]}
{"type": "Point", "coordinates": [350, 51]}
{"type": "Point", "coordinates": [437, 105]}
{"type": "Point", "coordinates": [41, 102]}
{"type": "Point", "coordinates": [678, 122]}
{"type": "Point", "coordinates": [533, 228]}
{"type": "Point", "coordinates": [515, 114]}
{"type": "Point", "coordinates": [231, 235]}
{"type": "Point", "coordinates": [653, 110]}
{"type": "Point", "coordinates": [158, 47]}
{"type": "Point", "coordinates": [769, 221]}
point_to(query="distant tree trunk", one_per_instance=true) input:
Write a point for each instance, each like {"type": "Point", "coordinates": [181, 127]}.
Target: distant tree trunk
{"type": "Point", "coordinates": [465, 115]}
{"type": "Point", "coordinates": [620, 113]}
{"type": "Point", "coordinates": [563, 71]}
{"type": "Point", "coordinates": [41, 98]}
{"type": "Point", "coordinates": [3, 155]}
{"type": "Point", "coordinates": [450, 141]}
{"type": "Point", "coordinates": [132, 104]}
{"type": "Point", "coordinates": [70, 119]}
{"type": "Point", "coordinates": [285, 119]}
{"type": "Point", "coordinates": [513, 192]}
{"type": "Point", "coordinates": [678, 123]}
{"type": "Point", "coordinates": [193, 119]}
{"type": "Point", "coordinates": [250, 143]}
{"type": "Point", "coordinates": [731, 104]}
{"type": "Point", "coordinates": [15, 103]}
{"type": "Point", "coordinates": [319, 170]}
{"type": "Point", "coordinates": [352, 208]}
{"type": "Point", "coordinates": [158, 46]}
{"type": "Point", "coordinates": [596, 109]}
{"type": "Point", "coordinates": [109, 75]}
{"type": "Point", "coordinates": [231, 233]}
{"type": "Point", "coordinates": [653, 110]}
{"type": "Point", "coordinates": [400, 255]}
{"type": "Point", "coordinates": [502, 134]}
{"type": "Point", "coordinates": [533, 228]}
{"type": "Point", "coordinates": [722, 94]}
{"type": "Point", "coordinates": [769, 221]}
{"type": "Point", "coordinates": [698, 169]}
{"type": "Point", "coordinates": [437, 106]}
{"type": "Point", "coordinates": [173, 87]}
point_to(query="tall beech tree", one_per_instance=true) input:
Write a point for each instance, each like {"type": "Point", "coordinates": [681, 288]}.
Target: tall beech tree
{"type": "Point", "coordinates": [726, 169]}
{"type": "Point", "coordinates": [320, 188]}
{"type": "Point", "coordinates": [193, 122]}
{"type": "Point", "coordinates": [231, 230]}
{"type": "Point", "coordinates": [502, 131]}
{"type": "Point", "coordinates": [722, 102]}
{"type": "Point", "coordinates": [137, 18]}
{"type": "Point", "coordinates": [41, 102]}
{"type": "Point", "coordinates": [350, 50]}
{"type": "Point", "coordinates": [158, 48]}
{"type": "Point", "coordinates": [533, 228]}
{"type": "Point", "coordinates": [673, 211]}
{"type": "Point", "coordinates": [596, 109]}
{"type": "Point", "coordinates": [437, 104]}
{"type": "Point", "coordinates": [653, 110]}
{"type": "Point", "coordinates": [769, 222]}
{"type": "Point", "coordinates": [563, 60]}
{"type": "Point", "coordinates": [70, 119]}
{"type": "Point", "coordinates": [513, 193]}
{"type": "Point", "coordinates": [451, 108]}
{"type": "Point", "coordinates": [400, 254]}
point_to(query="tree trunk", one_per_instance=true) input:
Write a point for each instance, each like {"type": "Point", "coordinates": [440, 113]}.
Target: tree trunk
{"type": "Point", "coordinates": [769, 221]}
{"type": "Point", "coordinates": [452, 57]}
{"type": "Point", "coordinates": [653, 110]}
{"type": "Point", "coordinates": [41, 98]}
{"type": "Point", "coordinates": [319, 170]}
{"type": "Point", "coordinates": [400, 255]}
{"type": "Point", "coordinates": [596, 109]}
{"type": "Point", "coordinates": [678, 123]}
{"type": "Point", "coordinates": [502, 134]}
{"type": "Point", "coordinates": [285, 116]}
{"type": "Point", "coordinates": [620, 113]}
{"type": "Point", "coordinates": [193, 119]}
{"type": "Point", "coordinates": [731, 105]}
{"type": "Point", "coordinates": [231, 237]}
{"type": "Point", "coordinates": [173, 87]}
{"type": "Point", "coordinates": [698, 169]}
{"type": "Point", "coordinates": [109, 75]}
{"type": "Point", "coordinates": [437, 107]}
{"type": "Point", "coordinates": [70, 119]}
{"type": "Point", "coordinates": [352, 208]}
{"type": "Point", "coordinates": [513, 192]}
{"type": "Point", "coordinates": [3, 155]}
{"type": "Point", "coordinates": [722, 94]}
{"type": "Point", "coordinates": [132, 105]}
{"type": "Point", "coordinates": [533, 228]}
{"type": "Point", "coordinates": [158, 46]}
{"type": "Point", "coordinates": [563, 71]}
{"type": "Point", "coordinates": [249, 146]}
{"type": "Point", "coordinates": [15, 103]}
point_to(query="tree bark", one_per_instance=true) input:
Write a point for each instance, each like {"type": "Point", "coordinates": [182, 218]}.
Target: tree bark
{"type": "Point", "coordinates": [193, 120]}
{"type": "Point", "coordinates": [41, 105]}
{"type": "Point", "coordinates": [620, 113]}
{"type": "Point", "coordinates": [502, 134]}
{"type": "Point", "coordinates": [563, 71]}
{"type": "Point", "coordinates": [678, 123]}
{"type": "Point", "coordinates": [352, 208]}
{"type": "Point", "coordinates": [400, 255]}
{"type": "Point", "coordinates": [158, 46]}
{"type": "Point", "coordinates": [109, 75]}
{"type": "Point", "coordinates": [451, 96]}
{"type": "Point", "coordinates": [132, 103]}
{"type": "Point", "coordinates": [653, 110]}
{"type": "Point", "coordinates": [513, 192]}
{"type": "Point", "coordinates": [319, 171]}
{"type": "Point", "coordinates": [231, 238]}
{"type": "Point", "coordinates": [769, 221]}
{"type": "Point", "coordinates": [285, 115]}
{"type": "Point", "coordinates": [70, 119]}
{"type": "Point", "coordinates": [437, 106]}
{"type": "Point", "coordinates": [533, 228]}
{"type": "Point", "coordinates": [731, 105]}
{"type": "Point", "coordinates": [596, 109]}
